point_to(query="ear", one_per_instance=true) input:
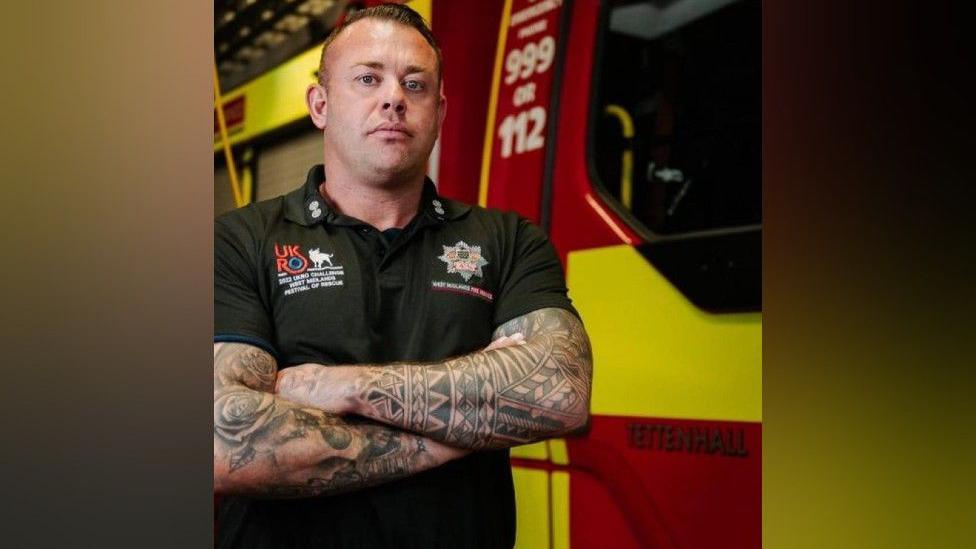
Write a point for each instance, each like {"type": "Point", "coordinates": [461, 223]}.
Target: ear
{"type": "Point", "coordinates": [441, 107]}
{"type": "Point", "coordinates": [315, 100]}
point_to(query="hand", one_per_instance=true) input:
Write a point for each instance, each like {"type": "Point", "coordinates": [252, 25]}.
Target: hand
{"type": "Point", "coordinates": [506, 341]}
{"type": "Point", "coordinates": [315, 385]}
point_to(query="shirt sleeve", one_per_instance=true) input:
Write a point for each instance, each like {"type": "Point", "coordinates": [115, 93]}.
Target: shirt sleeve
{"type": "Point", "coordinates": [240, 314]}
{"type": "Point", "coordinates": [535, 278]}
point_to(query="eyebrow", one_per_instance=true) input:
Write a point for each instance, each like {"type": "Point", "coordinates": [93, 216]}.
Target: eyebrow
{"type": "Point", "coordinates": [411, 69]}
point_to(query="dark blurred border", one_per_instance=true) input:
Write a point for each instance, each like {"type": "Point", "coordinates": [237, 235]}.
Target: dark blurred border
{"type": "Point", "coordinates": [107, 287]}
{"type": "Point", "coordinates": [868, 271]}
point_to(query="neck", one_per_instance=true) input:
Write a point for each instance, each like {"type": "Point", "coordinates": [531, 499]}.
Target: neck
{"type": "Point", "coordinates": [383, 207]}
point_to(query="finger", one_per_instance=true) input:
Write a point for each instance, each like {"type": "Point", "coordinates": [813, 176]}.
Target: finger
{"type": "Point", "coordinates": [506, 341]}
{"type": "Point", "coordinates": [283, 381]}
{"type": "Point", "coordinates": [498, 343]}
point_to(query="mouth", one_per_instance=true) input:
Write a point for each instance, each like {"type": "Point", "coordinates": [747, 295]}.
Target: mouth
{"type": "Point", "coordinates": [391, 131]}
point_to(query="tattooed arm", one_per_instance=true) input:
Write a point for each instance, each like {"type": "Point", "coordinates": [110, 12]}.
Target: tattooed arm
{"type": "Point", "coordinates": [267, 446]}
{"type": "Point", "coordinates": [534, 387]}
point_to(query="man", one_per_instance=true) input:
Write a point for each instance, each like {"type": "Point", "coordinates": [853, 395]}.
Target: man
{"type": "Point", "coordinates": [401, 445]}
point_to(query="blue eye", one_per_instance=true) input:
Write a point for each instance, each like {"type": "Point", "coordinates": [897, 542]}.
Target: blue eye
{"type": "Point", "coordinates": [413, 85]}
{"type": "Point", "coordinates": [367, 79]}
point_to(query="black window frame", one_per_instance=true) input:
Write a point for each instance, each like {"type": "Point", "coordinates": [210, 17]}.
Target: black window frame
{"type": "Point", "coordinates": [718, 270]}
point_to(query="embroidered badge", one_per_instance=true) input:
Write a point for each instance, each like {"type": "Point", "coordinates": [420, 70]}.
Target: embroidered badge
{"type": "Point", "coordinates": [298, 272]}
{"type": "Point", "coordinates": [464, 260]}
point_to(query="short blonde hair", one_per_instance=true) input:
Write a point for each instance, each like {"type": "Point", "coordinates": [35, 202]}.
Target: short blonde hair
{"type": "Point", "coordinates": [397, 13]}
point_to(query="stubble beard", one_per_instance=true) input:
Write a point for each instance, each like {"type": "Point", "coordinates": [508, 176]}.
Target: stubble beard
{"type": "Point", "coordinates": [370, 160]}
{"type": "Point", "coordinates": [394, 168]}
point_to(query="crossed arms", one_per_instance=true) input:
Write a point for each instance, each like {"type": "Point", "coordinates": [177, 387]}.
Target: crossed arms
{"type": "Point", "coordinates": [269, 447]}
{"type": "Point", "coordinates": [298, 435]}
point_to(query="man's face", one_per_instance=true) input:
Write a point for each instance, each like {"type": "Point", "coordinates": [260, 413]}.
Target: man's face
{"type": "Point", "coordinates": [383, 102]}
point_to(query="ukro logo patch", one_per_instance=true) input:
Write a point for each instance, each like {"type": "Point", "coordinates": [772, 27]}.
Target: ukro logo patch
{"type": "Point", "coordinates": [298, 272]}
{"type": "Point", "coordinates": [464, 260]}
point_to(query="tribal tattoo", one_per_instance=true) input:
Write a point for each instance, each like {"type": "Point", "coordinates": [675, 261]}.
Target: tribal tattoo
{"type": "Point", "coordinates": [497, 398]}
{"type": "Point", "coordinates": [267, 446]}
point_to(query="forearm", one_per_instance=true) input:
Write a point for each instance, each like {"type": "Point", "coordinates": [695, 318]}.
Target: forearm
{"type": "Point", "coordinates": [268, 447]}
{"type": "Point", "coordinates": [490, 399]}
{"type": "Point", "coordinates": [493, 399]}
{"type": "Point", "coordinates": [285, 450]}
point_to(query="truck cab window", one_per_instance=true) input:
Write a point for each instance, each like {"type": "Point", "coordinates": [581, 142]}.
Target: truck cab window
{"type": "Point", "coordinates": [677, 140]}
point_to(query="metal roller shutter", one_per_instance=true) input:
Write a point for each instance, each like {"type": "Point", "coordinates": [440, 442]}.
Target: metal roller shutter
{"type": "Point", "coordinates": [282, 167]}
{"type": "Point", "coordinates": [223, 194]}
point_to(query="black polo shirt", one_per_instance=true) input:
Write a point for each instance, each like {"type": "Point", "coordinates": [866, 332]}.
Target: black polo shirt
{"type": "Point", "coordinates": [309, 284]}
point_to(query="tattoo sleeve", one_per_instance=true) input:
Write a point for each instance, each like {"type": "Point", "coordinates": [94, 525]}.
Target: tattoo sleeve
{"type": "Point", "coordinates": [491, 399]}
{"type": "Point", "coordinates": [267, 446]}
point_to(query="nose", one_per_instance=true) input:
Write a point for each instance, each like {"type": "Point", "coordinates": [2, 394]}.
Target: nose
{"type": "Point", "coordinates": [396, 105]}
{"type": "Point", "coordinates": [394, 99]}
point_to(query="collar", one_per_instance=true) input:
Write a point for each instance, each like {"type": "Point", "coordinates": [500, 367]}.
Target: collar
{"type": "Point", "coordinates": [306, 206]}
